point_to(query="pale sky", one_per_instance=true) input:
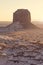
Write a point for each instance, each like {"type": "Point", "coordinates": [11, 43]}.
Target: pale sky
{"type": "Point", "coordinates": [7, 7]}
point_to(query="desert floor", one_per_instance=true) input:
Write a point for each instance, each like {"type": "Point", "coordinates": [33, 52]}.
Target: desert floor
{"type": "Point", "coordinates": [22, 47]}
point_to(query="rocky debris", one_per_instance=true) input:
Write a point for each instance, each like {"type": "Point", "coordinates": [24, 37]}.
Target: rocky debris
{"type": "Point", "coordinates": [23, 55]}
{"type": "Point", "coordinates": [14, 27]}
{"type": "Point", "coordinates": [21, 48]}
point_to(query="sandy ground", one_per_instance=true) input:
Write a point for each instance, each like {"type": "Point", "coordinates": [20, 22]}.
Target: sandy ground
{"type": "Point", "coordinates": [22, 47]}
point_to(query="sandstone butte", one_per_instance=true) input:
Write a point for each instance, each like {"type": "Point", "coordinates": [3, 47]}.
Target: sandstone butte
{"type": "Point", "coordinates": [21, 20]}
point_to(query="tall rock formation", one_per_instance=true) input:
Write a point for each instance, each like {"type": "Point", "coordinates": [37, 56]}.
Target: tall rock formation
{"type": "Point", "coordinates": [21, 20]}
{"type": "Point", "coordinates": [23, 16]}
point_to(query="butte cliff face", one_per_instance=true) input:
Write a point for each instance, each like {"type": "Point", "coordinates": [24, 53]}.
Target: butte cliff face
{"type": "Point", "coordinates": [23, 17]}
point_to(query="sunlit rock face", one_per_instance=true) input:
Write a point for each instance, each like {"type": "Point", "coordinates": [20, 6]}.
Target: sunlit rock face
{"type": "Point", "coordinates": [23, 16]}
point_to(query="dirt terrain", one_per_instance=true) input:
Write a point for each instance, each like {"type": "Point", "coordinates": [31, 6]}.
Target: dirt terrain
{"type": "Point", "coordinates": [22, 47]}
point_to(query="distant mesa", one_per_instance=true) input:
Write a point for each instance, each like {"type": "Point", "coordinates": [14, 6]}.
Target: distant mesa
{"type": "Point", "coordinates": [21, 20]}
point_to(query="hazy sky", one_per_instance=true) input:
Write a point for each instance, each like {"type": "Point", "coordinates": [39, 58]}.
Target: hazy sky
{"type": "Point", "coordinates": [7, 7]}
